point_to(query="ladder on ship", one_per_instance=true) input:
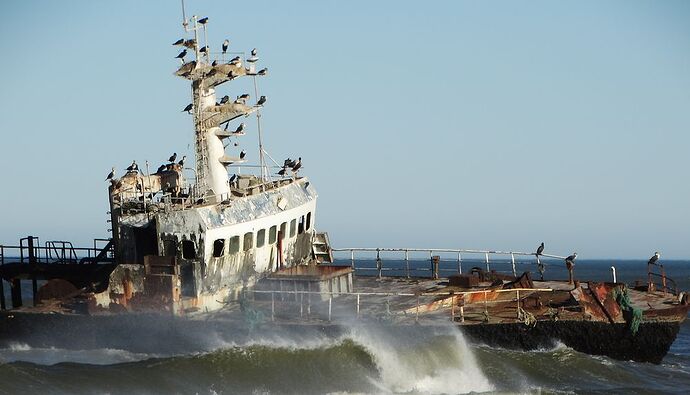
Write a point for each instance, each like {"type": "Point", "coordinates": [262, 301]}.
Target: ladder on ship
{"type": "Point", "coordinates": [321, 248]}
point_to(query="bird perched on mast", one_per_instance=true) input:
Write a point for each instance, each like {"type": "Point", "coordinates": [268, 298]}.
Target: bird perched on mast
{"type": "Point", "coordinates": [243, 154]}
{"type": "Point", "coordinates": [540, 249]}
{"type": "Point", "coordinates": [172, 157]}
{"type": "Point", "coordinates": [239, 129]}
{"type": "Point", "coordinates": [263, 71]}
{"type": "Point", "coordinates": [181, 162]}
{"type": "Point", "coordinates": [297, 165]}
{"type": "Point", "coordinates": [253, 58]}
{"type": "Point", "coordinates": [181, 55]}
{"type": "Point", "coordinates": [224, 99]}
{"type": "Point", "coordinates": [188, 108]}
{"type": "Point", "coordinates": [111, 174]}
{"type": "Point", "coordinates": [283, 171]}
{"type": "Point", "coordinates": [179, 42]}
{"type": "Point", "coordinates": [653, 260]}
{"type": "Point", "coordinates": [133, 166]}
{"type": "Point", "coordinates": [226, 44]}
{"type": "Point", "coordinates": [203, 20]}
{"type": "Point", "coordinates": [261, 101]}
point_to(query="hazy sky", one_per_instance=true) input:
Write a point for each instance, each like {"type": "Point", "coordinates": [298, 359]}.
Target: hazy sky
{"type": "Point", "coordinates": [481, 124]}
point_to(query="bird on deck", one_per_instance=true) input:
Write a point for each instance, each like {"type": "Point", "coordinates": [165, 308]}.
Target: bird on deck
{"type": "Point", "coordinates": [297, 165]}
{"type": "Point", "coordinates": [283, 171]}
{"type": "Point", "coordinates": [224, 99]}
{"type": "Point", "coordinates": [188, 108]}
{"type": "Point", "coordinates": [179, 42]}
{"type": "Point", "coordinates": [133, 166]}
{"type": "Point", "coordinates": [653, 260]}
{"type": "Point", "coordinates": [181, 55]}
{"type": "Point", "coordinates": [226, 44]}
{"type": "Point", "coordinates": [243, 154]}
{"type": "Point", "coordinates": [172, 157]}
{"type": "Point", "coordinates": [181, 162]}
{"type": "Point", "coordinates": [261, 101]}
{"type": "Point", "coordinates": [240, 128]}
{"type": "Point", "coordinates": [203, 20]}
{"type": "Point", "coordinates": [263, 71]}
{"type": "Point", "coordinates": [540, 249]}
{"type": "Point", "coordinates": [571, 258]}
{"type": "Point", "coordinates": [111, 174]}
{"type": "Point", "coordinates": [231, 75]}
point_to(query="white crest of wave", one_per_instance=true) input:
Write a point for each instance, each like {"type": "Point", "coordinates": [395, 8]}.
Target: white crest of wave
{"type": "Point", "coordinates": [428, 360]}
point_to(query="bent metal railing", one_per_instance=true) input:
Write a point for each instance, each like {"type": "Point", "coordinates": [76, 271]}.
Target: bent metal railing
{"type": "Point", "coordinates": [485, 256]}
{"type": "Point", "coordinates": [350, 302]}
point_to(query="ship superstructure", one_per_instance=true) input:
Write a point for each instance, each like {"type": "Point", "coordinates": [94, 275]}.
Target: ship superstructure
{"type": "Point", "coordinates": [222, 231]}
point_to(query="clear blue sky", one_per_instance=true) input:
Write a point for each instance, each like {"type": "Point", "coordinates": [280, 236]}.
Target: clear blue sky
{"type": "Point", "coordinates": [467, 124]}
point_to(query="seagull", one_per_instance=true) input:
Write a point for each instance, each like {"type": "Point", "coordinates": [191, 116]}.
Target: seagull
{"type": "Point", "coordinates": [282, 171]}
{"type": "Point", "coordinates": [261, 101]}
{"type": "Point", "coordinates": [181, 55]}
{"type": "Point", "coordinates": [181, 162]}
{"type": "Point", "coordinates": [239, 128]}
{"type": "Point", "coordinates": [540, 249]}
{"type": "Point", "coordinates": [297, 165]}
{"type": "Point", "coordinates": [655, 258]}
{"type": "Point", "coordinates": [172, 157]}
{"type": "Point", "coordinates": [179, 42]}
{"type": "Point", "coordinates": [203, 20]}
{"type": "Point", "coordinates": [133, 166]}
{"type": "Point", "coordinates": [188, 108]}
{"type": "Point", "coordinates": [571, 258]}
{"type": "Point", "coordinates": [111, 174]}
{"type": "Point", "coordinates": [243, 154]}
{"type": "Point", "coordinates": [226, 44]}
{"type": "Point", "coordinates": [263, 71]}
{"type": "Point", "coordinates": [224, 99]}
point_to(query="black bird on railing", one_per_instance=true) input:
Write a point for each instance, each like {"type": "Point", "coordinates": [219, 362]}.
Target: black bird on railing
{"type": "Point", "coordinates": [261, 101]}
{"type": "Point", "coordinates": [226, 44]}
{"type": "Point", "coordinates": [540, 249]}
{"type": "Point", "coordinates": [111, 174]}
{"type": "Point", "coordinates": [181, 162]}
{"type": "Point", "coordinates": [203, 20]}
{"type": "Point", "coordinates": [239, 128]}
{"type": "Point", "coordinates": [653, 260]}
{"type": "Point", "coordinates": [172, 157]}
{"type": "Point", "coordinates": [297, 165]}
{"type": "Point", "coordinates": [571, 258]}
{"type": "Point", "coordinates": [133, 166]}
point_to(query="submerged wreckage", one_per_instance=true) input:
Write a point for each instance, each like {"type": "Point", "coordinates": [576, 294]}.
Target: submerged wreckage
{"type": "Point", "coordinates": [244, 248]}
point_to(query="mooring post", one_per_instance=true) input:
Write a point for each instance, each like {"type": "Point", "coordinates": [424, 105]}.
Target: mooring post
{"type": "Point", "coordinates": [32, 263]}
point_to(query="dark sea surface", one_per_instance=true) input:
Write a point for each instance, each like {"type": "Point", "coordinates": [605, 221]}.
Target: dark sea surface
{"type": "Point", "coordinates": [362, 360]}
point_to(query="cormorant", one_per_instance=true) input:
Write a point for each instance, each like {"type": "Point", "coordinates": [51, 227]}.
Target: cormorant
{"type": "Point", "coordinates": [261, 101]}
{"type": "Point", "coordinates": [172, 157]}
{"type": "Point", "coordinates": [263, 71]}
{"type": "Point", "coordinates": [226, 44]}
{"type": "Point", "coordinates": [203, 20]}
{"type": "Point", "coordinates": [297, 165]}
{"type": "Point", "coordinates": [111, 174]}
{"type": "Point", "coordinates": [282, 171]}
{"type": "Point", "coordinates": [181, 162]}
{"type": "Point", "coordinates": [133, 166]}
{"type": "Point", "coordinates": [243, 154]}
{"type": "Point", "coordinates": [179, 42]}
{"type": "Point", "coordinates": [181, 55]}
{"type": "Point", "coordinates": [188, 108]}
{"type": "Point", "coordinates": [571, 258]}
{"type": "Point", "coordinates": [240, 128]}
{"type": "Point", "coordinates": [540, 249]}
{"type": "Point", "coordinates": [224, 99]}
{"type": "Point", "coordinates": [654, 258]}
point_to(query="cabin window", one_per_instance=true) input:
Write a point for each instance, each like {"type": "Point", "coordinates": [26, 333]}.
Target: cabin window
{"type": "Point", "coordinates": [188, 250]}
{"type": "Point", "coordinates": [308, 225]}
{"type": "Point", "coordinates": [218, 248]}
{"type": "Point", "coordinates": [293, 226]}
{"type": "Point", "coordinates": [283, 230]}
{"type": "Point", "coordinates": [234, 244]}
{"type": "Point", "coordinates": [272, 234]}
{"type": "Point", "coordinates": [300, 227]}
{"type": "Point", "coordinates": [248, 241]}
{"type": "Point", "coordinates": [169, 247]}
{"type": "Point", "coordinates": [261, 238]}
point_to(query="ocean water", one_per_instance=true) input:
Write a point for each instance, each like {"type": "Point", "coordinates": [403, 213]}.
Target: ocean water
{"type": "Point", "coordinates": [361, 360]}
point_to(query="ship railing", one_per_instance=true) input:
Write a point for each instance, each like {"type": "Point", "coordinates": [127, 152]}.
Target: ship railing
{"type": "Point", "coordinates": [487, 305]}
{"type": "Point", "coordinates": [438, 266]}
{"type": "Point", "coordinates": [30, 251]}
{"type": "Point", "coordinates": [656, 281]}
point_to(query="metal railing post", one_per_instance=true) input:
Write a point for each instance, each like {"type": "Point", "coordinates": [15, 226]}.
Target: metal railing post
{"type": "Point", "coordinates": [459, 263]}
{"type": "Point", "coordinates": [613, 273]}
{"type": "Point", "coordinates": [357, 306]}
{"type": "Point", "coordinates": [407, 263]}
{"type": "Point", "coordinates": [518, 303]}
{"type": "Point", "coordinates": [379, 265]}
{"type": "Point", "coordinates": [330, 305]}
{"type": "Point", "coordinates": [512, 261]}
{"type": "Point", "coordinates": [352, 258]}
{"type": "Point", "coordinates": [486, 258]}
{"type": "Point", "coordinates": [273, 306]}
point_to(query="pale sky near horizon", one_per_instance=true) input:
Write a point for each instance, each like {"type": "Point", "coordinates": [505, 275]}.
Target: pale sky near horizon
{"type": "Point", "coordinates": [456, 124]}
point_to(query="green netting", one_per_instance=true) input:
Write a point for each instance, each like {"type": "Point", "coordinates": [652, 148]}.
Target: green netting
{"type": "Point", "coordinates": [633, 315]}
